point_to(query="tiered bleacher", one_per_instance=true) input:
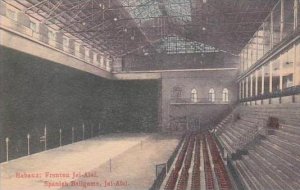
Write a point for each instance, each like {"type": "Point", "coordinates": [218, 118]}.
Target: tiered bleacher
{"type": "Point", "coordinates": [196, 168]}
{"type": "Point", "coordinates": [271, 161]}
{"type": "Point", "coordinates": [219, 168]}
{"type": "Point", "coordinates": [186, 173]}
{"type": "Point", "coordinates": [209, 179]}
{"type": "Point", "coordinates": [262, 144]}
{"type": "Point", "coordinates": [238, 130]}
{"type": "Point", "coordinates": [172, 180]}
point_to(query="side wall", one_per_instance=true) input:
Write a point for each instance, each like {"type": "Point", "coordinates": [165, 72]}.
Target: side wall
{"type": "Point", "coordinates": [35, 92]}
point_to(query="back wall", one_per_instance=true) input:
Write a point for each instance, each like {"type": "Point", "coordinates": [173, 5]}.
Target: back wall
{"type": "Point", "coordinates": [202, 81]}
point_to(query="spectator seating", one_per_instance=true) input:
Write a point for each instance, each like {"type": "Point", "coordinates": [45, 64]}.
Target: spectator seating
{"type": "Point", "coordinates": [188, 162]}
{"type": "Point", "coordinates": [273, 162]}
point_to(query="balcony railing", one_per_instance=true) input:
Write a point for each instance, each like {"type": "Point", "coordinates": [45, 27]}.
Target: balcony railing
{"type": "Point", "coordinates": [281, 25]}
{"type": "Point", "coordinates": [178, 101]}
{"type": "Point", "coordinates": [291, 91]}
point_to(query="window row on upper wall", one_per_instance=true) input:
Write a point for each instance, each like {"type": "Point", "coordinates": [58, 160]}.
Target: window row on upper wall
{"type": "Point", "coordinates": [281, 72]}
{"type": "Point", "coordinates": [211, 96]}
{"type": "Point", "coordinates": [177, 92]}
{"type": "Point", "coordinates": [63, 41]}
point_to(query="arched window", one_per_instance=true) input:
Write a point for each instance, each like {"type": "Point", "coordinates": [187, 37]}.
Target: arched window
{"type": "Point", "coordinates": [211, 95]}
{"type": "Point", "coordinates": [225, 95]}
{"type": "Point", "coordinates": [194, 95]}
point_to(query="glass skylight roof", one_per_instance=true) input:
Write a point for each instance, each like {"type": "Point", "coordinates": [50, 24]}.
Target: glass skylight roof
{"type": "Point", "coordinates": [144, 10]}
{"type": "Point", "coordinates": [179, 9]}
{"type": "Point", "coordinates": [175, 45]}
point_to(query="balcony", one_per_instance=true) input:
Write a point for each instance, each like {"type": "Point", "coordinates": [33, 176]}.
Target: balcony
{"type": "Point", "coordinates": [190, 101]}
{"type": "Point", "coordinates": [291, 91]}
{"type": "Point", "coordinates": [58, 45]}
{"type": "Point", "coordinates": [280, 28]}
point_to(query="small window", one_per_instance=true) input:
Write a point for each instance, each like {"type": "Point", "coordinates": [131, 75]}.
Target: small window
{"type": "Point", "coordinates": [65, 42]}
{"type": "Point", "coordinates": [211, 95]}
{"type": "Point", "coordinates": [51, 35]}
{"type": "Point", "coordinates": [33, 26]}
{"type": "Point", "coordinates": [11, 14]}
{"type": "Point", "coordinates": [108, 64]}
{"type": "Point", "coordinates": [102, 61]}
{"type": "Point", "coordinates": [108, 61]}
{"type": "Point", "coordinates": [225, 95]}
{"type": "Point", "coordinates": [194, 95]}
{"type": "Point", "coordinates": [86, 52]}
{"type": "Point", "coordinates": [98, 58]}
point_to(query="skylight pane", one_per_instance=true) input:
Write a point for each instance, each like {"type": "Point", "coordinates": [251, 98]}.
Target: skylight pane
{"type": "Point", "coordinates": [179, 9]}
{"type": "Point", "coordinates": [177, 45]}
{"type": "Point", "coordinates": [142, 10]}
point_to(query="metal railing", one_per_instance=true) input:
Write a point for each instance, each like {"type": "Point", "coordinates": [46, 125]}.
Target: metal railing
{"type": "Point", "coordinates": [161, 176]}
{"type": "Point", "coordinates": [45, 138]}
{"type": "Point", "coordinates": [272, 31]}
{"type": "Point", "coordinates": [291, 91]}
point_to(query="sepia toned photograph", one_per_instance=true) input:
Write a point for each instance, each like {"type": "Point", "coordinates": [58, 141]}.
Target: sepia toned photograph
{"type": "Point", "coordinates": [149, 94]}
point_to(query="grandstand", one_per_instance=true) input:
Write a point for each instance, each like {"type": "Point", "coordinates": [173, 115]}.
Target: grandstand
{"type": "Point", "coordinates": [149, 94]}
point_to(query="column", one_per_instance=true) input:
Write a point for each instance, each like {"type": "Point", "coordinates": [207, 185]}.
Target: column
{"type": "Point", "coordinates": [271, 76]}
{"type": "Point", "coordinates": [280, 71]}
{"type": "Point", "coordinates": [247, 88]}
{"type": "Point", "coordinates": [242, 82]}
{"type": "Point", "coordinates": [256, 86]}
{"type": "Point", "coordinates": [281, 19]}
{"type": "Point", "coordinates": [296, 14]}
{"type": "Point", "coordinates": [294, 65]}
{"type": "Point", "coordinates": [262, 80]}
{"type": "Point", "coordinates": [240, 90]}
{"type": "Point", "coordinates": [242, 61]}
{"type": "Point", "coordinates": [251, 85]}
{"type": "Point", "coordinates": [263, 39]}
{"type": "Point", "coordinates": [297, 64]}
{"type": "Point", "coordinates": [257, 45]}
{"type": "Point", "coordinates": [246, 58]}
{"type": "Point", "coordinates": [271, 29]}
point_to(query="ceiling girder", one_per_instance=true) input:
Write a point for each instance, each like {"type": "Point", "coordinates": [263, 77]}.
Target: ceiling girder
{"type": "Point", "coordinates": [216, 22]}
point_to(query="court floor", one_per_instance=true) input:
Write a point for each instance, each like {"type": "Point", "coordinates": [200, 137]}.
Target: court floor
{"type": "Point", "coordinates": [115, 161]}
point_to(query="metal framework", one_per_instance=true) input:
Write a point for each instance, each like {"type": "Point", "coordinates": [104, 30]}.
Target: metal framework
{"type": "Point", "coordinates": [178, 45]}
{"type": "Point", "coordinates": [124, 26]}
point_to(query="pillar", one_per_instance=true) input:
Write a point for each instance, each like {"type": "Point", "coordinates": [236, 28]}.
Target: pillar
{"type": "Point", "coordinates": [281, 19]}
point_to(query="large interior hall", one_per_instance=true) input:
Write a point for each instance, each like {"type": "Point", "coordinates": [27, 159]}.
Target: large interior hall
{"type": "Point", "coordinates": [149, 94]}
